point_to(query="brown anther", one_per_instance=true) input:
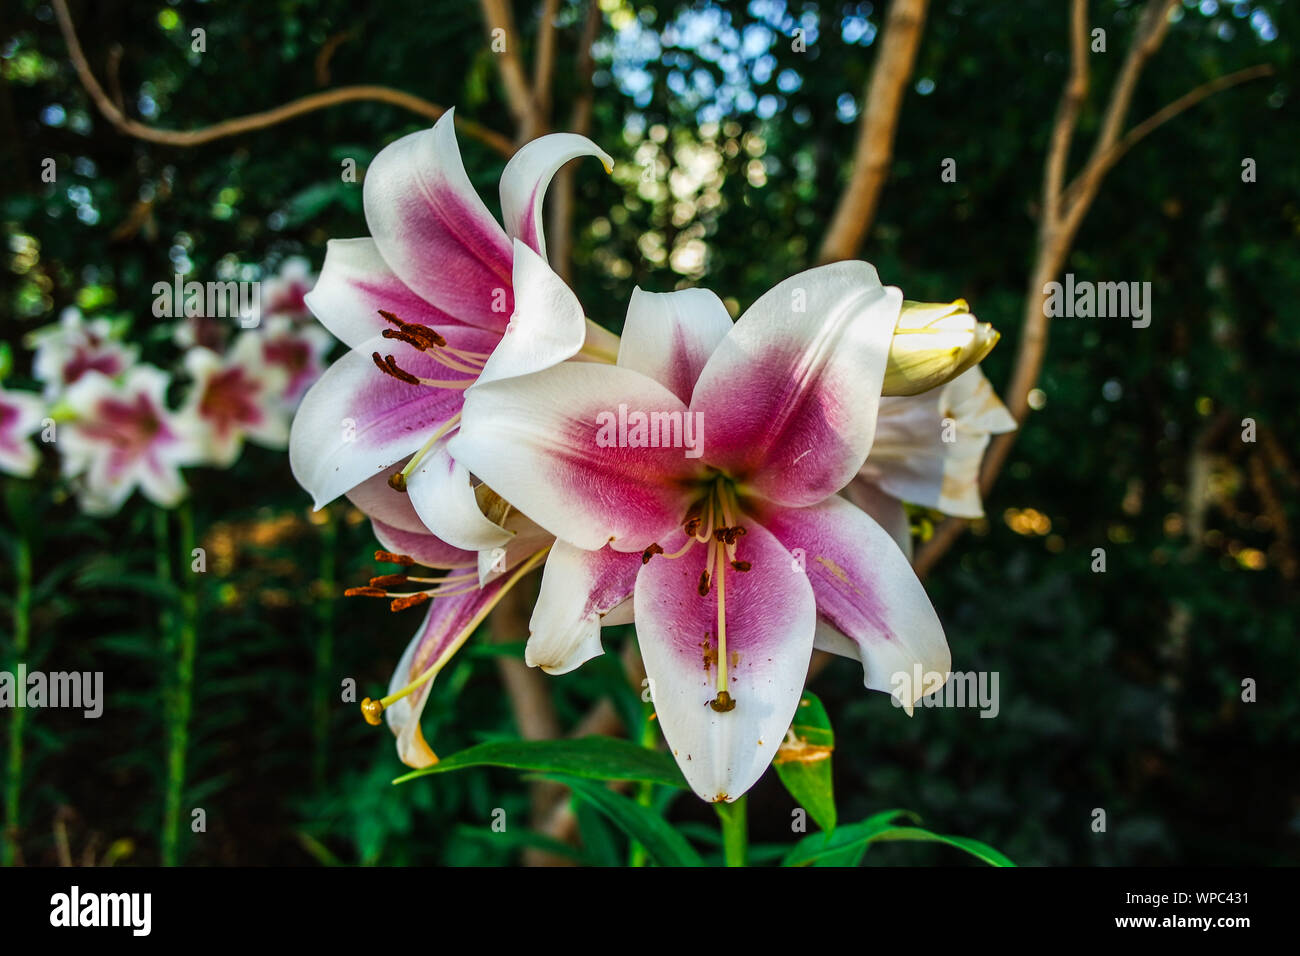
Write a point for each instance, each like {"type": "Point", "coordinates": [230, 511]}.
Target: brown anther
{"type": "Point", "coordinates": [394, 558]}
{"type": "Point", "coordinates": [365, 592]}
{"type": "Point", "coordinates": [397, 481]}
{"type": "Point", "coordinates": [704, 583]}
{"type": "Point", "coordinates": [732, 534]}
{"type": "Point", "coordinates": [388, 316]}
{"type": "Point", "coordinates": [411, 600]}
{"type": "Point", "coordinates": [720, 534]}
{"type": "Point", "coordinates": [403, 336]}
{"type": "Point", "coordinates": [650, 552]}
{"type": "Point", "coordinates": [692, 526]}
{"type": "Point", "coordinates": [388, 581]}
{"type": "Point", "coordinates": [426, 335]}
{"type": "Point", "coordinates": [741, 565]}
{"type": "Point", "coordinates": [399, 373]}
{"type": "Point", "coordinates": [372, 711]}
{"type": "Point", "coordinates": [723, 702]}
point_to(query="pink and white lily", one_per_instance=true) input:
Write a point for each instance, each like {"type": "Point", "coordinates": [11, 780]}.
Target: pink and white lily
{"type": "Point", "coordinates": [72, 347]}
{"type": "Point", "coordinates": [439, 297]}
{"type": "Point", "coordinates": [233, 397]}
{"type": "Point", "coordinates": [21, 415]}
{"type": "Point", "coordinates": [285, 293]}
{"type": "Point", "coordinates": [299, 351]}
{"type": "Point", "coordinates": [735, 560]}
{"type": "Point", "coordinates": [121, 436]}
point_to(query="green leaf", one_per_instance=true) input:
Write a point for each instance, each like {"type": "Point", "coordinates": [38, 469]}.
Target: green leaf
{"type": "Point", "coordinates": [975, 848]}
{"type": "Point", "coordinates": [804, 765]}
{"type": "Point", "coordinates": [664, 845]}
{"type": "Point", "coordinates": [593, 758]}
{"type": "Point", "coordinates": [846, 845]}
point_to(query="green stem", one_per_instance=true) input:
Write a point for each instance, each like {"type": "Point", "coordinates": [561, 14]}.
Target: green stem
{"type": "Point", "coordinates": [183, 646]}
{"type": "Point", "coordinates": [325, 605]}
{"type": "Point", "coordinates": [22, 634]}
{"type": "Point", "coordinates": [637, 855]}
{"type": "Point", "coordinates": [735, 831]}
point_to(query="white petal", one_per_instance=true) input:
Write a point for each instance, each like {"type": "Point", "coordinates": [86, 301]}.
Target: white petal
{"type": "Point", "coordinates": [669, 336]}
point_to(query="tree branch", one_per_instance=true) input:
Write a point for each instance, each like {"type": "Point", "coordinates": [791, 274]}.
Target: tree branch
{"type": "Point", "coordinates": [559, 228]}
{"type": "Point", "coordinates": [544, 64]}
{"type": "Point", "coordinates": [497, 15]}
{"type": "Point", "coordinates": [875, 144]}
{"type": "Point", "coordinates": [255, 121]}
{"type": "Point", "coordinates": [1057, 233]}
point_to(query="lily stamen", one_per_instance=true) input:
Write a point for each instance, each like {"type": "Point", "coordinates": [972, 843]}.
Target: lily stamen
{"type": "Point", "coordinates": [371, 709]}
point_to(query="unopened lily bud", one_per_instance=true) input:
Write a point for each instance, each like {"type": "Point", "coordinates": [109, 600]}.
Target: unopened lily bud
{"type": "Point", "coordinates": [934, 343]}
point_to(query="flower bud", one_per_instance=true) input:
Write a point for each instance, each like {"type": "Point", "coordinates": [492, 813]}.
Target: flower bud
{"type": "Point", "coordinates": [934, 343]}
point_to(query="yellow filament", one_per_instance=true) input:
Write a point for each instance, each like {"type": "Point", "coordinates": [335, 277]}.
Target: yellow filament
{"type": "Point", "coordinates": [722, 621]}
{"type": "Point", "coordinates": [432, 670]}
{"type": "Point", "coordinates": [414, 463]}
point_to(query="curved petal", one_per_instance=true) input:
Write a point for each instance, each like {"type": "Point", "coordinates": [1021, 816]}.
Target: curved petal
{"type": "Point", "coordinates": [547, 327]}
{"type": "Point", "coordinates": [929, 447]}
{"type": "Point", "coordinates": [770, 620]}
{"type": "Point", "coordinates": [356, 421]}
{"type": "Point", "coordinates": [867, 591]}
{"type": "Point", "coordinates": [529, 172]}
{"type": "Point", "coordinates": [355, 283]}
{"type": "Point", "coordinates": [550, 444]}
{"type": "Point", "coordinates": [669, 336]}
{"type": "Point", "coordinates": [448, 623]}
{"type": "Point", "coordinates": [434, 231]}
{"type": "Point", "coordinates": [578, 589]}
{"type": "Point", "coordinates": [443, 496]}
{"type": "Point", "coordinates": [424, 548]}
{"type": "Point", "coordinates": [790, 395]}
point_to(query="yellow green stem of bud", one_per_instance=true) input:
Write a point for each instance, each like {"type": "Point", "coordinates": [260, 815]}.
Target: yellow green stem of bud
{"type": "Point", "coordinates": [934, 343]}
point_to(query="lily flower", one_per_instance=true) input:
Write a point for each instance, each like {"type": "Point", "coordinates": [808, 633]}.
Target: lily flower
{"type": "Point", "coordinates": [121, 436]}
{"type": "Point", "coordinates": [234, 396]}
{"type": "Point", "coordinates": [928, 450]}
{"type": "Point", "coordinates": [72, 347]}
{"type": "Point", "coordinates": [438, 298]}
{"type": "Point", "coordinates": [735, 555]}
{"type": "Point", "coordinates": [285, 293]}
{"type": "Point", "coordinates": [21, 414]}
{"type": "Point", "coordinates": [297, 349]}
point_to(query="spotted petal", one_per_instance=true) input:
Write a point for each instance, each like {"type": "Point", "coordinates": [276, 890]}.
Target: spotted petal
{"type": "Point", "coordinates": [867, 591]}
{"type": "Point", "coordinates": [770, 620]}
